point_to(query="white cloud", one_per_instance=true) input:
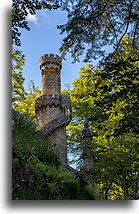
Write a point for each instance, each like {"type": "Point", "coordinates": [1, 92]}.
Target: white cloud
{"type": "Point", "coordinates": [32, 18]}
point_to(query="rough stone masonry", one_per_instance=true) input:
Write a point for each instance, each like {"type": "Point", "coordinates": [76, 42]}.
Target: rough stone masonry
{"type": "Point", "coordinates": [53, 109]}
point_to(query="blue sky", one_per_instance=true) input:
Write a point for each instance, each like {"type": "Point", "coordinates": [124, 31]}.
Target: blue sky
{"type": "Point", "coordinates": [43, 38]}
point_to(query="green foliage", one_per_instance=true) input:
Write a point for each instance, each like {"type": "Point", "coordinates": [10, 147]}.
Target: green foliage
{"type": "Point", "coordinates": [49, 183]}
{"type": "Point", "coordinates": [27, 140]}
{"type": "Point", "coordinates": [37, 174]}
{"type": "Point", "coordinates": [108, 99]}
{"type": "Point", "coordinates": [18, 91]}
{"type": "Point", "coordinates": [22, 101]}
{"type": "Point", "coordinates": [23, 136]}
{"type": "Point", "coordinates": [26, 106]}
{"type": "Point", "coordinates": [123, 73]}
{"type": "Point", "coordinates": [92, 25]}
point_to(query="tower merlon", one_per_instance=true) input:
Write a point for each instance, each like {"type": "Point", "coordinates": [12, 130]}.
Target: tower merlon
{"type": "Point", "coordinates": [50, 59]}
{"type": "Point", "coordinates": [50, 66]}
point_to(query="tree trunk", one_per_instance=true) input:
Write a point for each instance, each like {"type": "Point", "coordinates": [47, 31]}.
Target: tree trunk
{"type": "Point", "coordinates": [87, 156]}
{"type": "Point", "coordinates": [125, 186]}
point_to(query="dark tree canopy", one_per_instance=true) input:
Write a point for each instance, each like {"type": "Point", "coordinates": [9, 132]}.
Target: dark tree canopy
{"type": "Point", "coordinates": [93, 24]}
{"type": "Point", "coordinates": [20, 10]}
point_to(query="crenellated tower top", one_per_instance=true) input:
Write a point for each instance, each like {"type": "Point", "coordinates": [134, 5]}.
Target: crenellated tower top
{"type": "Point", "coordinates": [50, 60]}
{"type": "Point", "coordinates": [50, 66]}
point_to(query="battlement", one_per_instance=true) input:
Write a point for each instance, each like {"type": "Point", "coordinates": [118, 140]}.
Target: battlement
{"type": "Point", "coordinates": [54, 100]}
{"type": "Point", "coordinates": [50, 66]}
{"type": "Point", "coordinates": [51, 60]}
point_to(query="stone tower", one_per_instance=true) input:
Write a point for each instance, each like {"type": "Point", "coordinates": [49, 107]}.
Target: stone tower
{"type": "Point", "coordinates": [53, 109]}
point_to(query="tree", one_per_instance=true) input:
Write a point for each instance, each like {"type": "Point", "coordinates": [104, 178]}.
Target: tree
{"type": "Point", "coordinates": [26, 106]}
{"type": "Point", "coordinates": [122, 71]}
{"type": "Point", "coordinates": [98, 97]}
{"type": "Point", "coordinates": [92, 25]}
{"type": "Point", "coordinates": [18, 91]}
{"type": "Point", "coordinates": [22, 100]}
{"type": "Point", "coordinates": [20, 10]}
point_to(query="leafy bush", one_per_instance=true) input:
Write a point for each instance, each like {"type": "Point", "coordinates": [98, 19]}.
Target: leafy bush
{"type": "Point", "coordinates": [37, 174]}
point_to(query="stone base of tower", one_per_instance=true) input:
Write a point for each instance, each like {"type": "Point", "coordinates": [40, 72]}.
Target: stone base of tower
{"type": "Point", "coordinates": [59, 140]}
